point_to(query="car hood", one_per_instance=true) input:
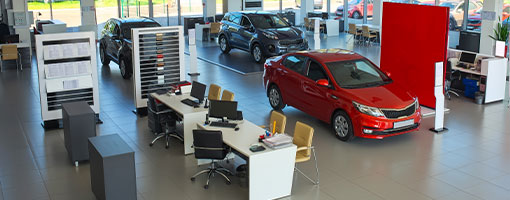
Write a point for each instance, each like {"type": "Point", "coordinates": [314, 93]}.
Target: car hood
{"type": "Point", "coordinates": [385, 96]}
{"type": "Point", "coordinates": [285, 33]}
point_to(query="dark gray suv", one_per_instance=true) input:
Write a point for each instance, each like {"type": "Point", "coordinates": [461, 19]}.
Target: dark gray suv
{"type": "Point", "coordinates": [263, 34]}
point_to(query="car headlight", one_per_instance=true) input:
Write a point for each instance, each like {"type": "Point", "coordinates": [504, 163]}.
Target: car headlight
{"type": "Point", "coordinates": [270, 35]}
{"type": "Point", "coordinates": [376, 112]}
{"type": "Point", "coordinates": [417, 104]}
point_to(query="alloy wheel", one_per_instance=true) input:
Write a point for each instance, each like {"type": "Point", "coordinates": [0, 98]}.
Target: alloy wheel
{"type": "Point", "coordinates": [341, 126]}
{"type": "Point", "coordinates": [223, 43]}
{"type": "Point", "coordinates": [257, 54]}
{"type": "Point", "coordinates": [274, 97]}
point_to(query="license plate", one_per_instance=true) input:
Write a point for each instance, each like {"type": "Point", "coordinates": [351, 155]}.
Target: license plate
{"type": "Point", "coordinates": [403, 123]}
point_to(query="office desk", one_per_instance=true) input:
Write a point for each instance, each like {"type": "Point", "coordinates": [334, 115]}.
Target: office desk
{"type": "Point", "coordinates": [372, 27]}
{"type": "Point", "coordinates": [199, 31]}
{"type": "Point", "coordinates": [469, 71]}
{"type": "Point", "coordinates": [190, 116]}
{"type": "Point", "coordinates": [270, 171]}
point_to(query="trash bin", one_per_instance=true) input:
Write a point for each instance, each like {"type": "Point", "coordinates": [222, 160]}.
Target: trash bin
{"type": "Point", "coordinates": [479, 97]}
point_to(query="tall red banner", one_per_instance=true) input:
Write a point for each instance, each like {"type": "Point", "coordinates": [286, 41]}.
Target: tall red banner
{"type": "Point", "coordinates": [414, 38]}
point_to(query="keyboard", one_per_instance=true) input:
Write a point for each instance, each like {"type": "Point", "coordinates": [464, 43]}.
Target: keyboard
{"type": "Point", "coordinates": [190, 102]}
{"type": "Point", "coordinates": [223, 124]}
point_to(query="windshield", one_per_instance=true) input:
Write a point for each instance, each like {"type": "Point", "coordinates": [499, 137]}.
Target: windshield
{"type": "Point", "coordinates": [126, 28]}
{"type": "Point", "coordinates": [268, 21]}
{"type": "Point", "coordinates": [357, 74]}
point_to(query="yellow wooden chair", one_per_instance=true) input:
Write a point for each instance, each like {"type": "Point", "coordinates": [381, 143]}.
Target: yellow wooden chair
{"type": "Point", "coordinates": [303, 135]}
{"type": "Point", "coordinates": [10, 52]}
{"type": "Point", "coordinates": [227, 96]}
{"type": "Point", "coordinates": [367, 34]}
{"type": "Point", "coordinates": [278, 121]}
{"type": "Point", "coordinates": [214, 92]}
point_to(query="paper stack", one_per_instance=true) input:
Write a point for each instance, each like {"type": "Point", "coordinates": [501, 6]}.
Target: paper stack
{"type": "Point", "coordinates": [278, 141]}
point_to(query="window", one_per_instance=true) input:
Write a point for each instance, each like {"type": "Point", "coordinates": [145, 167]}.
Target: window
{"type": "Point", "coordinates": [268, 21]}
{"type": "Point", "coordinates": [235, 18]}
{"type": "Point", "coordinates": [357, 74]}
{"type": "Point", "coordinates": [315, 71]}
{"type": "Point", "coordinates": [246, 22]}
{"type": "Point", "coordinates": [105, 9]}
{"type": "Point", "coordinates": [295, 63]}
{"type": "Point", "coordinates": [227, 17]}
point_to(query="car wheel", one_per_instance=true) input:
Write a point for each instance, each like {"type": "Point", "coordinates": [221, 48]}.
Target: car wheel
{"type": "Point", "coordinates": [125, 71]}
{"type": "Point", "coordinates": [275, 98]}
{"type": "Point", "coordinates": [453, 24]}
{"type": "Point", "coordinates": [102, 54]}
{"type": "Point", "coordinates": [256, 52]}
{"type": "Point", "coordinates": [224, 46]}
{"type": "Point", "coordinates": [356, 15]}
{"type": "Point", "coordinates": [342, 126]}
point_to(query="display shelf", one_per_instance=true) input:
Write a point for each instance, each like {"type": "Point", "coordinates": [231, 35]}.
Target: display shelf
{"type": "Point", "coordinates": [158, 61]}
{"type": "Point", "coordinates": [67, 68]}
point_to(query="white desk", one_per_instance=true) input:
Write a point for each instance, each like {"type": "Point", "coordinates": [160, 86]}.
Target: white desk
{"type": "Point", "coordinates": [469, 71]}
{"type": "Point", "coordinates": [190, 116]}
{"type": "Point", "coordinates": [199, 31]}
{"type": "Point", "coordinates": [370, 26]}
{"type": "Point", "coordinates": [270, 171]}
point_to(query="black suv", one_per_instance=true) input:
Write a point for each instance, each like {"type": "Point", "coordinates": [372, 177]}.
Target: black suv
{"type": "Point", "coordinates": [115, 43]}
{"type": "Point", "coordinates": [263, 34]}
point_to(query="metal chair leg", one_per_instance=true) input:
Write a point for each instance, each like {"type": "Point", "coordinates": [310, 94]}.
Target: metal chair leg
{"type": "Point", "coordinates": [316, 168]}
{"type": "Point", "coordinates": [224, 176]}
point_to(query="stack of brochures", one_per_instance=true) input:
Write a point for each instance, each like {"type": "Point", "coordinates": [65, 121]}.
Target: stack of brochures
{"type": "Point", "coordinates": [278, 141]}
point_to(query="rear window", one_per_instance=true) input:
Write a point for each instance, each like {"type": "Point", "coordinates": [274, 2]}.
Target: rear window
{"type": "Point", "coordinates": [126, 28]}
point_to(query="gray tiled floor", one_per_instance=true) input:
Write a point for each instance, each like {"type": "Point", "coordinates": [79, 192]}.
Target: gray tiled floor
{"type": "Point", "coordinates": [470, 161]}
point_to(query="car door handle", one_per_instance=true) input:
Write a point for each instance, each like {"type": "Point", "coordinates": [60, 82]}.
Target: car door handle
{"type": "Point", "coordinates": [333, 97]}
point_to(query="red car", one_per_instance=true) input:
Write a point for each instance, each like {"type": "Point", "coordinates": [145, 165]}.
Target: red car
{"type": "Point", "coordinates": [343, 89]}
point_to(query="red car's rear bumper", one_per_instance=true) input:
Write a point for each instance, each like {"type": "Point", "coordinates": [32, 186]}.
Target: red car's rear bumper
{"type": "Point", "coordinates": [379, 128]}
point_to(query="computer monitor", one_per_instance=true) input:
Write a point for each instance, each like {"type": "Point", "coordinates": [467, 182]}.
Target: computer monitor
{"type": "Point", "coordinates": [221, 109]}
{"type": "Point", "coordinates": [467, 57]}
{"type": "Point", "coordinates": [198, 90]}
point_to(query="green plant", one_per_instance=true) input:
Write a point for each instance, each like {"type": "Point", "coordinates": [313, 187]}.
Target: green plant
{"type": "Point", "coordinates": [500, 33]}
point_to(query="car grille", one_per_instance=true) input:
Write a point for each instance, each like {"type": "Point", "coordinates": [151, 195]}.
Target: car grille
{"type": "Point", "coordinates": [395, 114]}
{"type": "Point", "coordinates": [290, 42]}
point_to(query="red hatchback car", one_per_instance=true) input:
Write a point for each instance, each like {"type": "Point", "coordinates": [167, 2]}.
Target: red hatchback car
{"type": "Point", "coordinates": [344, 89]}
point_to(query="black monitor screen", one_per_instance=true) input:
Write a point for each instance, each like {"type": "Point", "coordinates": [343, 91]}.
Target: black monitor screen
{"type": "Point", "coordinates": [198, 90]}
{"type": "Point", "coordinates": [468, 57]}
{"type": "Point", "coordinates": [220, 109]}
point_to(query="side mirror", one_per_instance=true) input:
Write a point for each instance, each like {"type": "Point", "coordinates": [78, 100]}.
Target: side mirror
{"type": "Point", "coordinates": [323, 83]}
{"type": "Point", "coordinates": [388, 74]}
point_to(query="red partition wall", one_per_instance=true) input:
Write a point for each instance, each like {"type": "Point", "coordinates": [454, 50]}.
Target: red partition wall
{"type": "Point", "coordinates": [414, 38]}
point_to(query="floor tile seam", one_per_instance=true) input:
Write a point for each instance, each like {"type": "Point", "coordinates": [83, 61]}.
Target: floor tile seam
{"type": "Point", "coordinates": [361, 187]}
{"type": "Point", "coordinates": [466, 190]}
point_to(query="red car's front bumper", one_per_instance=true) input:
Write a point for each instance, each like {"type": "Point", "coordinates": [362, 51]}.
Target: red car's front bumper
{"type": "Point", "coordinates": [380, 128]}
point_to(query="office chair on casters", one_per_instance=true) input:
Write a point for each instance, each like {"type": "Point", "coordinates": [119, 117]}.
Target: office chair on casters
{"type": "Point", "coordinates": [209, 145]}
{"type": "Point", "coordinates": [303, 135]}
{"type": "Point", "coordinates": [449, 77]}
{"type": "Point", "coordinates": [162, 121]}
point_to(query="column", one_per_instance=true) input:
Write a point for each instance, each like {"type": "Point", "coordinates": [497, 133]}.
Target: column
{"type": "Point", "coordinates": [306, 6]}
{"type": "Point", "coordinates": [377, 12]}
{"type": "Point", "coordinates": [488, 26]}
{"type": "Point", "coordinates": [209, 8]}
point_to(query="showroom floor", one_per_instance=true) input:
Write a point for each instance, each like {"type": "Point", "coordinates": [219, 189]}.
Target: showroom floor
{"type": "Point", "coordinates": [470, 161]}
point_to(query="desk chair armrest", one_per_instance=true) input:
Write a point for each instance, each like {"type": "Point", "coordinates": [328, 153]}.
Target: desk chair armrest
{"type": "Point", "coordinates": [160, 112]}
{"type": "Point", "coordinates": [304, 148]}
{"type": "Point", "coordinates": [262, 126]}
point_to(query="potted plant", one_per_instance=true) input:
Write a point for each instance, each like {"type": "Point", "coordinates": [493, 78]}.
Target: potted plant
{"type": "Point", "coordinates": [501, 36]}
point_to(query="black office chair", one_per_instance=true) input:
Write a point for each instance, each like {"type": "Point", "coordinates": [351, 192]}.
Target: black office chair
{"type": "Point", "coordinates": [209, 145]}
{"type": "Point", "coordinates": [162, 121]}
{"type": "Point", "coordinates": [450, 76]}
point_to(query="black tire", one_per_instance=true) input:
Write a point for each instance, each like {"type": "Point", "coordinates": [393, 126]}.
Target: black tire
{"type": "Point", "coordinates": [125, 70]}
{"type": "Point", "coordinates": [224, 46]}
{"type": "Point", "coordinates": [452, 24]}
{"type": "Point", "coordinates": [339, 122]}
{"type": "Point", "coordinates": [356, 15]}
{"type": "Point", "coordinates": [256, 53]}
{"type": "Point", "coordinates": [275, 98]}
{"type": "Point", "coordinates": [105, 60]}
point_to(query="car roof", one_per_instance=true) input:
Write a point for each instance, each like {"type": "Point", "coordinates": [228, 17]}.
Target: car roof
{"type": "Point", "coordinates": [134, 20]}
{"type": "Point", "coordinates": [331, 55]}
{"type": "Point", "coordinates": [253, 13]}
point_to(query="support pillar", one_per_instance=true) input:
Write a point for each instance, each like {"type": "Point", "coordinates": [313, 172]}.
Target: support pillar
{"type": "Point", "coordinates": [488, 26]}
